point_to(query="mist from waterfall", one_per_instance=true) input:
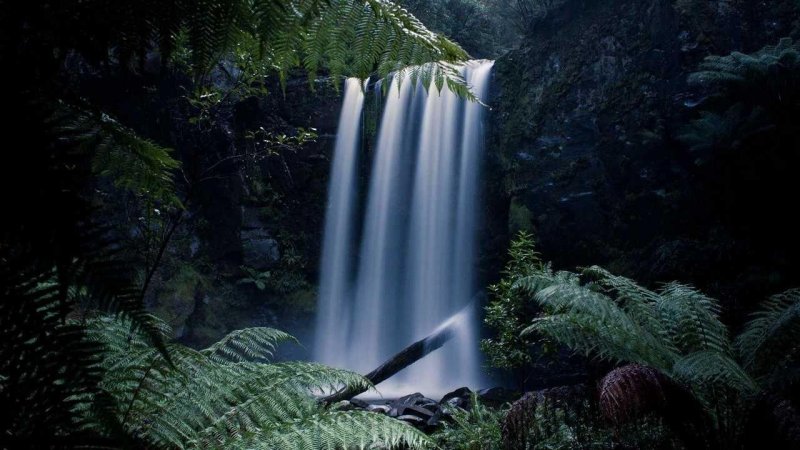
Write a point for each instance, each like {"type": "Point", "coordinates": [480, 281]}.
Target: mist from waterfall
{"type": "Point", "coordinates": [408, 267]}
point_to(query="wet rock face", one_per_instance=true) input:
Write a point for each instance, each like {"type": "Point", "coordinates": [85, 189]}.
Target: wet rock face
{"type": "Point", "coordinates": [583, 88]}
{"type": "Point", "coordinates": [582, 141]}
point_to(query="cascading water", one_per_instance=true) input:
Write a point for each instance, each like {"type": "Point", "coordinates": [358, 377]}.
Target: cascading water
{"type": "Point", "coordinates": [333, 309]}
{"type": "Point", "coordinates": [415, 255]}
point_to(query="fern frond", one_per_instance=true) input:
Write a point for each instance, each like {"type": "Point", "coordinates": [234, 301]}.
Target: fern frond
{"type": "Point", "coordinates": [49, 369]}
{"type": "Point", "coordinates": [214, 398]}
{"type": "Point", "coordinates": [247, 345]}
{"type": "Point", "coordinates": [771, 334]}
{"type": "Point", "coordinates": [357, 38]}
{"type": "Point", "coordinates": [135, 164]}
{"type": "Point", "coordinates": [692, 320]}
{"type": "Point", "coordinates": [338, 429]}
{"type": "Point", "coordinates": [707, 368]}
{"type": "Point", "coordinates": [591, 322]}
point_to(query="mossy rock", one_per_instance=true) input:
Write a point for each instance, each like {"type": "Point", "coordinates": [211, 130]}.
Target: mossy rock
{"type": "Point", "coordinates": [176, 297]}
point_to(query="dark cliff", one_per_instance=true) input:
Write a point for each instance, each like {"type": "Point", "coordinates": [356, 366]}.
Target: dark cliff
{"type": "Point", "coordinates": [583, 147]}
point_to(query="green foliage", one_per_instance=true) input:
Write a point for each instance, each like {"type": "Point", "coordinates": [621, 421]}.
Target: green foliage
{"type": "Point", "coordinates": [767, 346]}
{"type": "Point", "coordinates": [474, 24]}
{"type": "Point", "coordinates": [221, 397]}
{"type": "Point", "coordinates": [519, 216]}
{"type": "Point", "coordinates": [132, 163]}
{"type": "Point", "coordinates": [288, 277]}
{"type": "Point", "coordinates": [712, 131]}
{"type": "Point", "coordinates": [751, 95]}
{"type": "Point", "coordinates": [561, 427]}
{"type": "Point", "coordinates": [478, 428]}
{"type": "Point", "coordinates": [346, 37]}
{"type": "Point", "coordinates": [762, 77]}
{"type": "Point", "coordinates": [253, 276]}
{"type": "Point", "coordinates": [567, 427]}
{"type": "Point", "coordinates": [32, 332]}
{"type": "Point", "coordinates": [248, 344]}
{"type": "Point", "coordinates": [50, 366]}
{"type": "Point", "coordinates": [173, 299]}
{"type": "Point", "coordinates": [675, 330]}
{"type": "Point", "coordinates": [509, 310]}
{"type": "Point", "coordinates": [151, 390]}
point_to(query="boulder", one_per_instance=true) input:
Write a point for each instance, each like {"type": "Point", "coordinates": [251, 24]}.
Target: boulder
{"type": "Point", "coordinates": [419, 411]}
{"type": "Point", "coordinates": [433, 422]}
{"type": "Point", "coordinates": [460, 397]}
{"type": "Point", "coordinates": [497, 396]}
{"type": "Point", "coordinates": [411, 399]}
{"type": "Point", "coordinates": [415, 404]}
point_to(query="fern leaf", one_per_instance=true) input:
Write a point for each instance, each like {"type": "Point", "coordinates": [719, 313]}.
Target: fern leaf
{"type": "Point", "coordinates": [769, 335]}
{"type": "Point", "coordinates": [248, 344]}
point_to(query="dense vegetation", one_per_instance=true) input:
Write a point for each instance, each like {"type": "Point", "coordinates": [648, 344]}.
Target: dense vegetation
{"type": "Point", "coordinates": [667, 367]}
{"type": "Point", "coordinates": [64, 262]}
{"type": "Point", "coordinates": [128, 121]}
{"type": "Point", "coordinates": [672, 361]}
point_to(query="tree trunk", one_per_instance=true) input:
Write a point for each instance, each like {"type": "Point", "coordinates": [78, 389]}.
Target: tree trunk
{"type": "Point", "coordinates": [398, 362]}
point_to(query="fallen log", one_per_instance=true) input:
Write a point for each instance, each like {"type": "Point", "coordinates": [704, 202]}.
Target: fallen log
{"type": "Point", "coordinates": [400, 361]}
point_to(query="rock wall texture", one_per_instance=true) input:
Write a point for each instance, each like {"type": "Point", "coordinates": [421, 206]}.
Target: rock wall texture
{"type": "Point", "coordinates": [583, 149]}
{"type": "Point", "coordinates": [247, 249]}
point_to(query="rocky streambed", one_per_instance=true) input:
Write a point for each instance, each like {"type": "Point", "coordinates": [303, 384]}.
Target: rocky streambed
{"type": "Point", "coordinates": [426, 413]}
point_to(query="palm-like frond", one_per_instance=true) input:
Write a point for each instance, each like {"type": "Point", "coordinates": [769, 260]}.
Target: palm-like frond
{"type": "Point", "coordinates": [248, 344]}
{"type": "Point", "coordinates": [763, 73]}
{"type": "Point", "coordinates": [358, 38]}
{"type": "Point", "coordinates": [675, 330]}
{"type": "Point", "coordinates": [133, 163]}
{"type": "Point", "coordinates": [217, 398]}
{"type": "Point", "coordinates": [338, 429]}
{"type": "Point", "coordinates": [49, 368]}
{"type": "Point", "coordinates": [345, 37]}
{"type": "Point", "coordinates": [587, 320]}
{"type": "Point", "coordinates": [713, 368]}
{"type": "Point", "coordinates": [750, 95]}
{"type": "Point", "coordinates": [768, 342]}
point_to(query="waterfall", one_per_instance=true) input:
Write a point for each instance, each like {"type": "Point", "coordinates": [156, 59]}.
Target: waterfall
{"type": "Point", "coordinates": [333, 308]}
{"type": "Point", "coordinates": [416, 249]}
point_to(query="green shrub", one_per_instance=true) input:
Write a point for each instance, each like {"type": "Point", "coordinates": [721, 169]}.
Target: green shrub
{"type": "Point", "coordinates": [477, 428]}
{"type": "Point", "coordinates": [509, 311]}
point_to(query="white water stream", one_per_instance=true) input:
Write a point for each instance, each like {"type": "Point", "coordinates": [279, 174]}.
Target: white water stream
{"type": "Point", "coordinates": [407, 267]}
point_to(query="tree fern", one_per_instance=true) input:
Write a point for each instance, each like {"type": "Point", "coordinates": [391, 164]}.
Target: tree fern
{"type": "Point", "coordinates": [584, 318]}
{"type": "Point", "coordinates": [768, 344]}
{"type": "Point", "coordinates": [762, 76]}
{"type": "Point", "coordinates": [220, 397]}
{"type": "Point", "coordinates": [247, 344]}
{"type": "Point", "coordinates": [675, 330]}
{"type": "Point", "coordinates": [706, 368]}
{"type": "Point", "coordinates": [748, 95]}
